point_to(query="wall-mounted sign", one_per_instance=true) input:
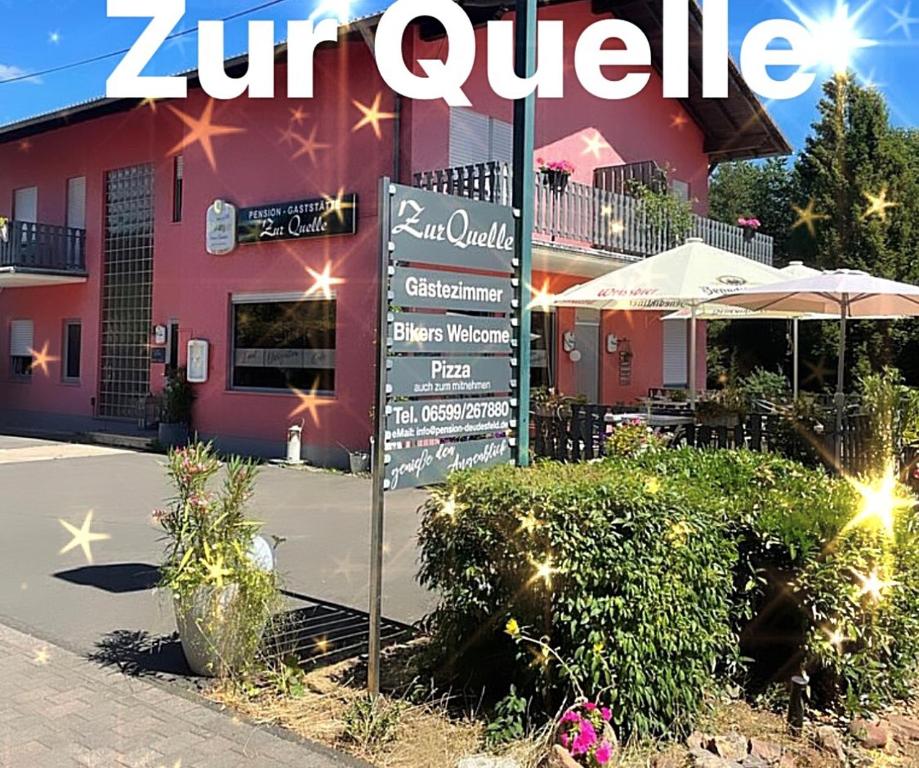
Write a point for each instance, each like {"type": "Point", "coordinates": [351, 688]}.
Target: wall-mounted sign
{"type": "Point", "coordinates": [197, 366]}
{"type": "Point", "coordinates": [426, 376]}
{"type": "Point", "coordinates": [458, 334]}
{"type": "Point", "coordinates": [158, 355]}
{"type": "Point", "coordinates": [297, 220]}
{"type": "Point", "coordinates": [431, 228]}
{"type": "Point", "coordinates": [424, 465]}
{"type": "Point", "coordinates": [430, 289]}
{"type": "Point", "coordinates": [221, 228]}
{"type": "Point", "coordinates": [440, 419]}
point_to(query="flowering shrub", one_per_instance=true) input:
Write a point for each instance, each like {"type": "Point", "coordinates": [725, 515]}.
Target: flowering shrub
{"type": "Point", "coordinates": [562, 166]}
{"type": "Point", "coordinates": [581, 732]}
{"type": "Point", "coordinates": [631, 438]}
{"type": "Point", "coordinates": [749, 223]}
{"type": "Point", "coordinates": [207, 566]}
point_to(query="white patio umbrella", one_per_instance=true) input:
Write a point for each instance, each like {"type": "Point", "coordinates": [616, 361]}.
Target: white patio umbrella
{"type": "Point", "coordinates": [794, 270]}
{"type": "Point", "coordinates": [848, 294]}
{"type": "Point", "coordinates": [684, 277]}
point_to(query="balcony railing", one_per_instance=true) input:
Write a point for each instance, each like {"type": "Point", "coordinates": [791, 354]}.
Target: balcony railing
{"type": "Point", "coordinates": [29, 246]}
{"type": "Point", "coordinates": [585, 217]}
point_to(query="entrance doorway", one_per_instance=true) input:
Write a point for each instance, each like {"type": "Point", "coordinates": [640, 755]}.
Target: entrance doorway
{"type": "Point", "coordinates": [587, 342]}
{"type": "Point", "coordinates": [127, 293]}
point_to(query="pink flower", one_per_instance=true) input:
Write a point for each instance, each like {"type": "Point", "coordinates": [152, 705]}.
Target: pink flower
{"type": "Point", "coordinates": [606, 714]}
{"type": "Point", "coordinates": [586, 738]}
{"type": "Point", "coordinates": [590, 706]}
{"type": "Point", "coordinates": [571, 717]}
{"type": "Point", "coordinates": [565, 740]}
{"type": "Point", "coordinates": [603, 753]}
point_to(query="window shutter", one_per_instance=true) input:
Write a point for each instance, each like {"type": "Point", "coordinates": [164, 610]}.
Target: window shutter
{"type": "Point", "coordinates": [676, 354]}
{"type": "Point", "coordinates": [25, 204]}
{"type": "Point", "coordinates": [469, 137]}
{"type": "Point", "coordinates": [76, 203]}
{"type": "Point", "coordinates": [21, 338]}
{"type": "Point", "coordinates": [502, 141]}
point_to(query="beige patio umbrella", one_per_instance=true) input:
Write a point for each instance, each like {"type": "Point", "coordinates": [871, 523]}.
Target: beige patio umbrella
{"type": "Point", "coordinates": [845, 293]}
{"type": "Point", "coordinates": [794, 270]}
{"type": "Point", "coordinates": [685, 277]}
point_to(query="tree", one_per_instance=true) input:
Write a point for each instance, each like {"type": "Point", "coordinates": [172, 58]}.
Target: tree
{"type": "Point", "coordinates": [851, 201]}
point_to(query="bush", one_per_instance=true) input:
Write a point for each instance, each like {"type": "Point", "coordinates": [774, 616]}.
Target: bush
{"type": "Point", "coordinates": [640, 576]}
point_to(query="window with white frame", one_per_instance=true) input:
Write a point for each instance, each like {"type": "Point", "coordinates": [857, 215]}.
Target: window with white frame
{"type": "Point", "coordinates": [477, 138]}
{"type": "Point", "coordinates": [282, 342]}
{"type": "Point", "coordinates": [22, 344]}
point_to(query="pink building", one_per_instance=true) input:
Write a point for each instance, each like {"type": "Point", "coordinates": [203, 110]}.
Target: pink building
{"type": "Point", "coordinates": [105, 277]}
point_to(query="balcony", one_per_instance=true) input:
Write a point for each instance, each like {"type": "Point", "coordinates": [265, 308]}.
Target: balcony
{"type": "Point", "coordinates": [591, 219]}
{"type": "Point", "coordinates": [33, 254]}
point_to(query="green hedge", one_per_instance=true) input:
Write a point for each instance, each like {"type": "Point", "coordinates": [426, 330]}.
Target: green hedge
{"type": "Point", "coordinates": [659, 563]}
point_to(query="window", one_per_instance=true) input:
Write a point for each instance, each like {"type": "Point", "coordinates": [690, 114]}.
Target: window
{"type": "Point", "coordinates": [76, 202]}
{"type": "Point", "coordinates": [542, 349]}
{"type": "Point", "coordinates": [281, 342]}
{"type": "Point", "coordinates": [477, 138]}
{"type": "Point", "coordinates": [178, 187]}
{"type": "Point", "coordinates": [21, 345]}
{"type": "Point", "coordinates": [73, 343]}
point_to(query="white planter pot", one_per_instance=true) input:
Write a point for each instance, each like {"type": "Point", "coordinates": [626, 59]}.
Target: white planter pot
{"type": "Point", "coordinates": [209, 645]}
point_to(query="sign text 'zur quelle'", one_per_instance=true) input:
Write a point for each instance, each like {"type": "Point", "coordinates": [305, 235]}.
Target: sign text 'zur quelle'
{"type": "Point", "coordinates": [431, 228]}
{"type": "Point", "coordinates": [298, 220]}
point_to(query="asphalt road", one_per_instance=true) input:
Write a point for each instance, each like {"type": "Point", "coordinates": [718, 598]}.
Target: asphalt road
{"type": "Point", "coordinates": [323, 516]}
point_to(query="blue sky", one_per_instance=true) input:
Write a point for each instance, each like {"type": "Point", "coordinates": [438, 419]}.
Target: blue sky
{"type": "Point", "coordinates": [42, 34]}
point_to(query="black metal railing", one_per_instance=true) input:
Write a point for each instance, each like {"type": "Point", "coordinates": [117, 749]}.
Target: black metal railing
{"type": "Point", "coordinates": [28, 245]}
{"type": "Point", "coordinates": [574, 433]}
{"type": "Point", "coordinates": [582, 216]}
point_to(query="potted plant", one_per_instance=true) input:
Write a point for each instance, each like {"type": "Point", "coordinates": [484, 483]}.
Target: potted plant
{"type": "Point", "coordinates": [556, 174]}
{"type": "Point", "coordinates": [223, 591]}
{"type": "Point", "coordinates": [750, 226]}
{"type": "Point", "coordinates": [175, 413]}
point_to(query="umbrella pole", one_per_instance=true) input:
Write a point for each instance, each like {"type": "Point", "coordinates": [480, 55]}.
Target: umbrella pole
{"type": "Point", "coordinates": [841, 382]}
{"type": "Point", "coordinates": [692, 357]}
{"type": "Point", "coordinates": [794, 357]}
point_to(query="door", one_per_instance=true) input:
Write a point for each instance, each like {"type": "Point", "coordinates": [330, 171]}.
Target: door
{"type": "Point", "coordinates": [676, 353]}
{"type": "Point", "coordinates": [587, 342]}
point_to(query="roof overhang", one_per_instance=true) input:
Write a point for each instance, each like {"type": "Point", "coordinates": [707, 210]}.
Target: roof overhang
{"type": "Point", "coordinates": [14, 277]}
{"type": "Point", "coordinates": [735, 128]}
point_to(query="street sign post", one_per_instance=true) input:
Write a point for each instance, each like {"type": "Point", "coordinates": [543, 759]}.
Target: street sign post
{"type": "Point", "coordinates": [447, 390]}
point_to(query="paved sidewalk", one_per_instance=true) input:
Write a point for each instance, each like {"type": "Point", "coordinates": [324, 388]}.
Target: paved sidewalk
{"type": "Point", "coordinates": [58, 710]}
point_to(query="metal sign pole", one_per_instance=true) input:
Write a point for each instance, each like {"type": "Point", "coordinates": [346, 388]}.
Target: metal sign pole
{"type": "Point", "coordinates": [379, 453]}
{"type": "Point", "coordinates": [523, 202]}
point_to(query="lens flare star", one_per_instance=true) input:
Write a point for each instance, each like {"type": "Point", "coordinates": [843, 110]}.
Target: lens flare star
{"type": "Point", "coordinates": [337, 205]}
{"type": "Point", "coordinates": [903, 20]}
{"type": "Point", "coordinates": [542, 297]}
{"type": "Point", "coordinates": [545, 570]}
{"type": "Point", "coordinates": [83, 537]}
{"type": "Point", "coordinates": [308, 146]}
{"type": "Point", "coordinates": [42, 657]}
{"type": "Point", "coordinates": [309, 403]}
{"type": "Point", "coordinates": [878, 205]}
{"type": "Point", "coordinates": [528, 523]}
{"type": "Point", "coordinates": [323, 282]}
{"type": "Point", "coordinates": [874, 586]}
{"type": "Point", "coordinates": [372, 116]}
{"type": "Point", "coordinates": [594, 145]}
{"type": "Point", "coordinates": [881, 499]}
{"type": "Point", "coordinates": [41, 360]}
{"type": "Point", "coordinates": [808, 217]}
{"type": "Point", "coordinates": [836, 38]}
{"type": "Point", "coordinates": [202, 131]}
{"type": "Point", "coordinates": [214, 568]}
